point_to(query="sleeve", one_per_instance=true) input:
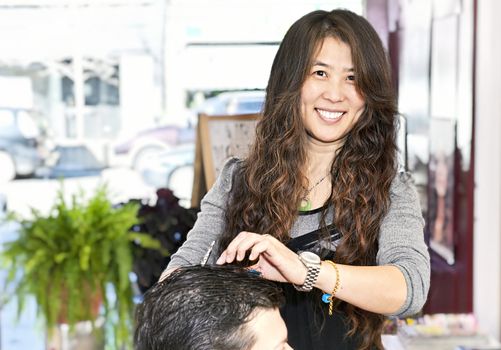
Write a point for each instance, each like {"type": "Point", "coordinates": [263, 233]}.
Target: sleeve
{"type": "Point", "coordinates": [210, 221]}
{"type": "Point", "coordinates": [401, 243]}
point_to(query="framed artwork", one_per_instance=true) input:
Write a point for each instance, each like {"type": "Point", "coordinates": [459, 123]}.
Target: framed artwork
{"type": "Point", "coordinates": [442, 129]}
{"type": "Point", "coordinates": [441, 187]}
{"type": "Point", "coordinates": [219, 138]}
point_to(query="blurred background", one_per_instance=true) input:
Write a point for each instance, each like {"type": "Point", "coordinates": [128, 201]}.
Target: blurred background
{"type": "Point", "coordinates": [110, 91]}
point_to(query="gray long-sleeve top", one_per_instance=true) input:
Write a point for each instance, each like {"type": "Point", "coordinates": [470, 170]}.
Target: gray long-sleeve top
{"type": "Point", "coordinates": [401, 241]}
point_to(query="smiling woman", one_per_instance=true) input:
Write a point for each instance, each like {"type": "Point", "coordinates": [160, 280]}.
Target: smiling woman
{"type": "Point", "coordinates": [319, 204]}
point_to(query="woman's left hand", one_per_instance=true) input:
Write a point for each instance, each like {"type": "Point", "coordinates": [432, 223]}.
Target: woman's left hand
{"type": "Point", "coordinates": [275, 261]}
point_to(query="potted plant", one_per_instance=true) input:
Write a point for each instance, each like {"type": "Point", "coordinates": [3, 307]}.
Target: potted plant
{"type": "Point", "coordinates": [70, 258]}
{"type": "Point", "coordinates": [166, 222]}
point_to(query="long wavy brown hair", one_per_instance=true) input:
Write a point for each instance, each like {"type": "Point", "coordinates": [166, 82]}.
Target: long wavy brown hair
{"type": "Point", "coordinates": [268, 185]}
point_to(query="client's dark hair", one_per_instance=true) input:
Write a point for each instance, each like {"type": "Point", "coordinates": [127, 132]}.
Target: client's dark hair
{"type": "Point", "coordinates": [203, 308]}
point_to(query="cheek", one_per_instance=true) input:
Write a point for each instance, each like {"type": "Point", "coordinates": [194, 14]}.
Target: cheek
{"type": "Point", "coordinates": [305, 101]}
{"type": "Point", "coordinates": [308, 93]}
{"type": "Point", "coordinates": [360, 110]}
{"type": "Point", "coordinates": [358, 104]}
{"type": "Point", "coordinates": [356, 99]}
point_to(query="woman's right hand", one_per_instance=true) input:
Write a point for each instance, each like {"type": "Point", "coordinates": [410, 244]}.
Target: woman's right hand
{"type": "Point", "coordinates": [275, 261]}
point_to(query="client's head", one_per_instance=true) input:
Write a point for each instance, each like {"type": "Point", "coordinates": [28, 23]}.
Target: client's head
{"type": "Point", "coordinates": [211, 308]}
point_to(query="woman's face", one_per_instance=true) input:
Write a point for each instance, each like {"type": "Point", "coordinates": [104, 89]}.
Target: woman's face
{"type": "Point", "coordinates": [330, 102]}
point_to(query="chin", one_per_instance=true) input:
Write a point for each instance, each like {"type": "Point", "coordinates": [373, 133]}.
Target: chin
{"type": "Point", "coordinates": [324, 137]}
{"type": "Point", "coordinates": [326, 140]}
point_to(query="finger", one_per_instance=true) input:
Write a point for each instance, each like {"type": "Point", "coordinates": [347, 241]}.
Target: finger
{"type": "Point", "coordinates": [246, 245]}
{"type": "Point", "coordinates": [222, 259]}
{"type": "Point", "coordinates": [228, 254]}
{"type": "Point", "coordinates": [259, 248]}
{"type": "Point", "coordinates": [238, 247]}
{"type": "Point", "coordinates": [166, 273]}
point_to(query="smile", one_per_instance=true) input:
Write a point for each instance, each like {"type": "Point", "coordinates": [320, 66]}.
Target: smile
{"type": "Point", "coordinates": [329, 115]}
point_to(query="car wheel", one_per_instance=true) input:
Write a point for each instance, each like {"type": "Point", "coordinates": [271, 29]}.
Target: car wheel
{"type": "Point", "coordinates": [8, 167]}
{"type": "Point", "coordinates": [142, 156]}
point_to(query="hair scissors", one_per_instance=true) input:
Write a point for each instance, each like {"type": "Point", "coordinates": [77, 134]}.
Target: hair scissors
{"type": "Point", "coordinates": [206, 256]}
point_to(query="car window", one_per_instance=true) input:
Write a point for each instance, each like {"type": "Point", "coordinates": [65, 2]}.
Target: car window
{"type": "Point", "coordinates": [250, 106]}
{"type": "Point", "coordinates": [214, 106]}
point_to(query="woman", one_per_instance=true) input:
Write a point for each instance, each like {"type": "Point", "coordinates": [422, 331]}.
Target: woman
{"type": "Point", "coordinates": [322, 177]}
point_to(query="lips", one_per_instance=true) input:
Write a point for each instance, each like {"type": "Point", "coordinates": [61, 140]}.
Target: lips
{"type": "Point", "coordinates": [329, 115]}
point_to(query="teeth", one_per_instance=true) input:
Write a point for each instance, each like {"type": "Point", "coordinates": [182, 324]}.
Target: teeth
{"type": "Point", "coordinates": [329, 115]}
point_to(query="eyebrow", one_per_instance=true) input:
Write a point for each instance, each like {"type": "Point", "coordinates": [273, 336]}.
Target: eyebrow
{"type": "Point", "coordinates": [322, 64]}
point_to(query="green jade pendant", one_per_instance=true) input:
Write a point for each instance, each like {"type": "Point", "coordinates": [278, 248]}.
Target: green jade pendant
{"type": "Point", "coordinates": [305, 204]}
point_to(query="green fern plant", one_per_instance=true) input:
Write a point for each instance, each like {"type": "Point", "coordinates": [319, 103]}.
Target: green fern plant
{"type": "Point", "coordinates": [66, 258]}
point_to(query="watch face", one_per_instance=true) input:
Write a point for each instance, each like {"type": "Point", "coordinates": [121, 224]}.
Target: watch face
{"type": "Point", "coordinates": [310, 257]}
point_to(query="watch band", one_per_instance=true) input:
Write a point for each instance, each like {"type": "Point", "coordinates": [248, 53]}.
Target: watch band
{"type": "Point", "coordinates": [312, 272]}
{"type": "Point", "coordinates": [311, 278]}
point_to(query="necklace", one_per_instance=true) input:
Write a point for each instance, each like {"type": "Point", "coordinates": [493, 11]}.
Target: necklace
{"type": "Point", "coordinates": [305, 203]}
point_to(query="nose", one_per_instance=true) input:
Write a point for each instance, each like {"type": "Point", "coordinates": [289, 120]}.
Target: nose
{"type": "Point", "coordinates": [333, 90]}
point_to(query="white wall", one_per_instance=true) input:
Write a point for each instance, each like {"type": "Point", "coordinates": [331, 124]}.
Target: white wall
{"type": "Point", "coordinates": [487, 227]}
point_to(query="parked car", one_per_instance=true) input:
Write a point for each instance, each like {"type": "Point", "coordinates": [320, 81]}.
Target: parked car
{"type": "Point", "coordinates": [71, 160]}
{"type": "Point", "coordinates": [233, 102]}
{"type": "Point", "coordinates": [22, 150]}
{"type": "Point", "coordinates": [135, 151]}
{"type": "Point", "coordinates": [172, 169]}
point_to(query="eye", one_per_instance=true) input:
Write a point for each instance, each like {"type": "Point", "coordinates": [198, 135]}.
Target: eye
{"type": "Point", "coordinates": [350, 77]}
{"type": "Point", "coordinates": [320, 73]}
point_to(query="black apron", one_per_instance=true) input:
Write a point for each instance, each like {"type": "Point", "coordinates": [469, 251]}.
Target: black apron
{"type": "Point", "coordinates": [307, 318]}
